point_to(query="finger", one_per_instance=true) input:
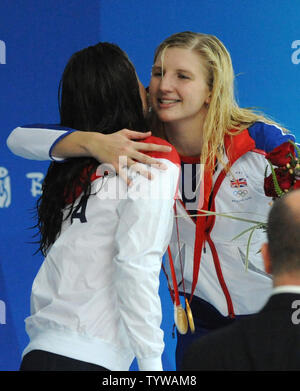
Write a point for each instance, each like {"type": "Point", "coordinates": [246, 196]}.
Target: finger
{"type": "Point", "coordinates": [141, 169]}
{"type": "Point", "coordinates": [126, 174]}
{"type": "Point", "coordinates": [122, 170]}
{"type": "Point", "coordinates": [125, 178]}
{"type": "Point", "coordinates": [145, 159]}
{"type": "Point", "coordinates": [133, 135]}
{"type": "Point", "coordinates": [152, 147]}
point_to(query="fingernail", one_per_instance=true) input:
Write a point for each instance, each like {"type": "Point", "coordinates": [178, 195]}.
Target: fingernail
{"type": "Point", "coordinates": [163, 166]}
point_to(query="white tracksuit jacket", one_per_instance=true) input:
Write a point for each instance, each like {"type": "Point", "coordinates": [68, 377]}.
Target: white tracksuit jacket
{"type": "Point", "coordinates": [95, 297]}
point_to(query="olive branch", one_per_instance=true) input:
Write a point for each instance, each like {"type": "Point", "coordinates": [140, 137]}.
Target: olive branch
{"type": "Point", "coordinates": [256, 225]}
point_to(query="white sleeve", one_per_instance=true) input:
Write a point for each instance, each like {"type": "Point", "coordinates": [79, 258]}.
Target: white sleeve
{"type": "Point", "coordinates": [36, 143]}
{"type": "Point", "coordinates": [142, 237]}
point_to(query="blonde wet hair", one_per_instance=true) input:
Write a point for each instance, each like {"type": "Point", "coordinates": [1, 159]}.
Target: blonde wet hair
{"type": "Point", "coordinates": [224, 116]}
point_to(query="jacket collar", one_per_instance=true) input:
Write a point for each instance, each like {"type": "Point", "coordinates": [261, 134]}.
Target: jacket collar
{"type": "Point", "coordinates": [283, 301]}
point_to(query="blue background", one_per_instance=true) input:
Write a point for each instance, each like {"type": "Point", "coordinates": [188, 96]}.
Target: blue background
{"type": "Point", "coordinates": [41, 36]}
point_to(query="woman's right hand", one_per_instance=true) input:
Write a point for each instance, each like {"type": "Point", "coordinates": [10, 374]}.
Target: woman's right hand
{"type": "Point", "coordinates": [109, 148]}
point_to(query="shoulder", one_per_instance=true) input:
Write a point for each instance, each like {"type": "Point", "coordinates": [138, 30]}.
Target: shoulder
{"type": "Point", "coordinates": [171, 156]}
{"type": "Point", "coordinates": [156, 140]}
{"type": "Point", "coordinates": [268, 136]}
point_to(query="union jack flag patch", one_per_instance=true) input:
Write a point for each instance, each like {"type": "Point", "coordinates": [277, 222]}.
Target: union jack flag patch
{"type": "Point", "coordinates": [237, 183]}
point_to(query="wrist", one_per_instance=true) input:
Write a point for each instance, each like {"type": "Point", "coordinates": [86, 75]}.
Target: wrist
{"type": "Point", "coordinates": [88, 140]}
{"type": "Point", "coordinates": [150, 364]}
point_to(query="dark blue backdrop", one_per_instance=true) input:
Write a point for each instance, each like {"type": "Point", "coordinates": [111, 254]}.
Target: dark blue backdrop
{"type": "Point", "coordinates": [36, 40]}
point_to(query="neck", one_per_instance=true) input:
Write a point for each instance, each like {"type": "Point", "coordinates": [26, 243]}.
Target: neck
{"type": "Point", "coordinates": [187, 137]}
{"type": "Point", "coordinates": [287, 279]}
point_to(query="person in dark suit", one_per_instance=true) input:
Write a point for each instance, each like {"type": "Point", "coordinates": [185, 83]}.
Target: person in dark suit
{"type": "Point", "coordinates": [270, 339]}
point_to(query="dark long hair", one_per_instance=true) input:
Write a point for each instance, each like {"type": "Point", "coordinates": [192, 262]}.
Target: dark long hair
{"type": "Point", "coordinates": [98, 92]}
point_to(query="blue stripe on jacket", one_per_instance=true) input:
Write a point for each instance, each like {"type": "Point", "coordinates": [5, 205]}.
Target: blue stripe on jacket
{"type": "Point", "coordinates": [267, 136]}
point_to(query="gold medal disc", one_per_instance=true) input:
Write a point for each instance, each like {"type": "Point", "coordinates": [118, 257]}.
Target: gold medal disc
{"type": "Point", "coordinates": [190, 316]}
{"type": "Point", "coordinates": [180, 319]}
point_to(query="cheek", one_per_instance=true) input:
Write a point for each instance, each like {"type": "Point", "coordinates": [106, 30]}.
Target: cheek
{"type": "Point", "coordinates": [198, 97]}
{"type": "Point", "coordinates": [152, 91]}
{"type": "Point", "coordinates": [143, 94]}
{"type": "Point", "coordinates": [152, 86]}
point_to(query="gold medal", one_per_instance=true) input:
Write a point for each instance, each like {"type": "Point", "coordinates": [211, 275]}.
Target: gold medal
{"type": "Point", "coordinates": [190, 316]}
{"type": "Point", "coordinates": [180, 319]}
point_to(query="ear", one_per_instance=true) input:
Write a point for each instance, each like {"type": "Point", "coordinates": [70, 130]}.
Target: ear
{"type": "Point", "coordinates": [266, 258]}
{"type": "Point", "coordinates": [208, 99]}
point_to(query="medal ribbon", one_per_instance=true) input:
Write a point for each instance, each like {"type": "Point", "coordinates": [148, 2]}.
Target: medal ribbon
{"type": "Point", "coordinates": [200, 234]}
{"type": "Point", "coordinates": [174, 280]}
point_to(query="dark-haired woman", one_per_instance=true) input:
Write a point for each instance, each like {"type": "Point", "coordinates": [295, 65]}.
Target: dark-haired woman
{"type": "Point", "coordinates": [94, 302]}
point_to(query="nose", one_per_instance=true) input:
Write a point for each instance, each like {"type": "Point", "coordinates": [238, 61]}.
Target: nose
{"type": "Point", "coordinates": [166, 83]}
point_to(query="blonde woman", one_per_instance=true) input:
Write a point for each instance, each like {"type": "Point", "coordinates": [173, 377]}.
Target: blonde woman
{"type": "Point", "coordinates": [194, 108]}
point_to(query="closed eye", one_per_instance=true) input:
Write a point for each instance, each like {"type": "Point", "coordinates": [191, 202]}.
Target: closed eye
{"type": "Point", "coordinates": [181, 76]}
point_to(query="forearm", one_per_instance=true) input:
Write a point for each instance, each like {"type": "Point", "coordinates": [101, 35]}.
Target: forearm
{"type": "Point", "coordinates": [52, 142]}
{"type": "Point", "coordinates": [36, 142]}
{"type": "Point", "coordinates": [76, 144]}
{"type": "Point", "coordinates": [137, 284]}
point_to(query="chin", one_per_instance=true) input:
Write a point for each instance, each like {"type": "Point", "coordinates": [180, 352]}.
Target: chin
{"type": "Point", "coordinates": [166, 117]}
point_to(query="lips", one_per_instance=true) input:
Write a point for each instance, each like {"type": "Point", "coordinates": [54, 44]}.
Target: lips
{"type": "Point", "coordinates": [168, 101]}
